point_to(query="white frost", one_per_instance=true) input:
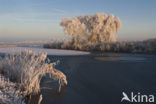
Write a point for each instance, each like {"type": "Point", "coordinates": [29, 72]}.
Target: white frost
{"type": "Point", "coordinates": [41, 50]}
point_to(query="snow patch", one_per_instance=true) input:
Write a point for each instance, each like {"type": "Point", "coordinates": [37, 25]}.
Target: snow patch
{"type": "Point", "coordinates": [42, 50]}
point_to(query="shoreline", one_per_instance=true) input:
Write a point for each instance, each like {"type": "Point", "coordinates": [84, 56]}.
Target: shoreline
{"type": "Point", "coordinates": [43, 50]}
{"type": "Point", "coordinates": [145, 47]}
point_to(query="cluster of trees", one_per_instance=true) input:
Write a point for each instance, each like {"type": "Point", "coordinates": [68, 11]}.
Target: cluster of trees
{"type": "Point", "coordinates": [146, 46]}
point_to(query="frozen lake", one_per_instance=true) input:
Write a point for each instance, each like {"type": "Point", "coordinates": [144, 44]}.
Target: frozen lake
{"type": "Point", "coordinates": [100, 78]}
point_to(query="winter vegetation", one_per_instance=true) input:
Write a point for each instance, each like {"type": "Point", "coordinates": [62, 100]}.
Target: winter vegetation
{"type": "Point", "coordinates": [92, 29]}
{"type": "Point", "coordinates": [8, 92]}
{"type": "Point", "coordinates": [146, 46]}
{"type": "Point", "coordinates": [97, 33]}
{"type": "Point", "coordinates": [21, 75]}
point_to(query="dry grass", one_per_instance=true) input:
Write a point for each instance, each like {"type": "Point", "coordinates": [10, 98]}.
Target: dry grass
{"type": "Point", "coordinates": [27, 69]}
{"type": "Point", "coordinates": [8, 92]}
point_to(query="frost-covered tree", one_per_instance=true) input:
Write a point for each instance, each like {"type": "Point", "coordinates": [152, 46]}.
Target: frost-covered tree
{"type": "Point", "coordinates": [92, 29]}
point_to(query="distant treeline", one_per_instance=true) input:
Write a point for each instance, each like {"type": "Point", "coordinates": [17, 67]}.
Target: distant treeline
{"type": "Point", "coordinates": [146, 46]}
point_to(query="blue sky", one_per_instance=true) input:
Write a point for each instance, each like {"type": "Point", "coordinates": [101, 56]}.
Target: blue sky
{"type": "Point", "coordinates": [39, 19]}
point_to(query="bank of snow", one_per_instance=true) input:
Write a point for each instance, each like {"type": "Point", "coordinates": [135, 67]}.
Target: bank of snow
{"type": "Point", "coordinates": [42, 50]}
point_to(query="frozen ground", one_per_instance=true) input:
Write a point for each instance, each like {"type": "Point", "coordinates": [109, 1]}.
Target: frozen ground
{"type": "Point", "coordinates": [47, 51]}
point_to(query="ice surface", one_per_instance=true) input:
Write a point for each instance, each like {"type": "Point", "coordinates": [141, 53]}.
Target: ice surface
{"type": "Point", "coordinates": [42, 50]}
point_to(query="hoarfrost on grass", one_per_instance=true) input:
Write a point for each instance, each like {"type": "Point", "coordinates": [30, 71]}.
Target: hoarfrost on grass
{"type": "Point", "coordinates": [25, 70]}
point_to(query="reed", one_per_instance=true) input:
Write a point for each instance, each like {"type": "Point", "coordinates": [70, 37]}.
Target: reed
{"type": "Point", "coordinates": [26, 69]}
